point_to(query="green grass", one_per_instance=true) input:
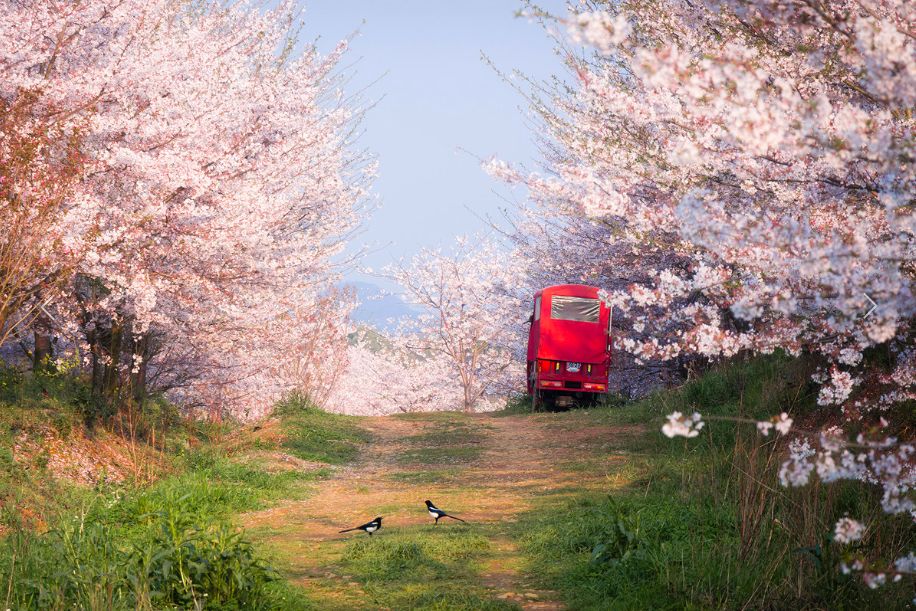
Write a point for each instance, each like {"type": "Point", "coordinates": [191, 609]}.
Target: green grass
{"type": "Point", "coordinates": [703, 523]}
{"type": "Point", "coordinates": [212, 488]}
{"type": "Point", "coordinates": [450, 440]}
{"type": "Point", "coordinates": [169, 544]}
{"type": "Point", "coordinates": [422, 568]}
{"type": "Point", "coordinates": [124, 550]}
{"type": "Point", "coordinates": [316, 435]}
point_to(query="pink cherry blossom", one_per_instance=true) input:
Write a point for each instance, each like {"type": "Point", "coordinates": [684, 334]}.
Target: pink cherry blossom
{"type": "Point", "coordinates": [848, 530]}
{"type": "Point", "coordinates": [218, 187]}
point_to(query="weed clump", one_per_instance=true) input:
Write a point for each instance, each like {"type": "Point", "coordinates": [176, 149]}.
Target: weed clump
{"type": "Point", "coordinates": [422, 568]}
{"type": "Point", "coordinates": [165, 560]}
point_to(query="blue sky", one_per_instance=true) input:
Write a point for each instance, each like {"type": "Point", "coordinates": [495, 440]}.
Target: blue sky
{"type": "Point", "coordinates": [436, 99]}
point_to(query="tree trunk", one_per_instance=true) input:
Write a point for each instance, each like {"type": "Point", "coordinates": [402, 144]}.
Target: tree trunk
{"type": "Point", "coordinates": [43, 352]}
{"type": "Point", "coordinates": [112, 376]}
{"type": "Point", "coordinates": [138, 372]}
{"type": "Point", "coordinates": [97, 369]}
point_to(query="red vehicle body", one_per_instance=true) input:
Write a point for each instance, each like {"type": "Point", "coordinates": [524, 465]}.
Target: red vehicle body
{"type": "Point", "coordinates": [569, 345]}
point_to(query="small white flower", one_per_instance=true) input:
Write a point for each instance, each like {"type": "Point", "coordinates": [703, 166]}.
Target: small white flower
{"type": "Point", "coordinates": [874, 580]}
{"type": "Point", "coordinates": [856, 565]}
{"type": "Point", "coordinates": [679, 425]}
{"type": "Point", "coordinates": [848, 530]}
{"type": "Point", "coordinates": [906, 564]}
{"type": "Point", "coordinates": [783, 423]}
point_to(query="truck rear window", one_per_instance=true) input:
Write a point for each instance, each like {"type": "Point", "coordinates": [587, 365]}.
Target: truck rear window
{"type": "Point", "coordinates": [581, 309]}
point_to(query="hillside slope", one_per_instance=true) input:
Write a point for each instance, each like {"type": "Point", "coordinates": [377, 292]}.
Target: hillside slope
{"type": "Point", "coordinates": [120, 517]}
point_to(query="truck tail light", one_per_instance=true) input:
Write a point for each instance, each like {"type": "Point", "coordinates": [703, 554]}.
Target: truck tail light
{"type": "Point", "coordinates": [589, 386]}
{"type": "Point", "coordinates": [551, 383]}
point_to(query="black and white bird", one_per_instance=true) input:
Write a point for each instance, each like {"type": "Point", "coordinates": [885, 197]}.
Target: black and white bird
{"type": "Point", "coordinates": [438, 513]}
{"type": "Point", "coordinates": [369, 527]}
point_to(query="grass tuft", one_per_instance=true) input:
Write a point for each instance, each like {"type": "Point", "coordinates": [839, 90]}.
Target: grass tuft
{"type": "Point", "coordinates": [315, 435]}
{"type": "Point", "coordinates": [422, 568]}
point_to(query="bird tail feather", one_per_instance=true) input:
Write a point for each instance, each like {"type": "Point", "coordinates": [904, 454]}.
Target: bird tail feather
{"type": "Point", "coordinates": [346, 530]}
{"type": "Point", "coordinates": [454, 518]}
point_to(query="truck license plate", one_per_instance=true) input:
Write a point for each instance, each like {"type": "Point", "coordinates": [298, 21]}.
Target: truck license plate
{"type": "Point", "coordinates": [573, 367]}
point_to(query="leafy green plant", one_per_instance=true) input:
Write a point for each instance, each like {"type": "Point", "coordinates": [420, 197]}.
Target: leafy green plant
{"type": "Point", "coordinates": [619, 541]}
{"type": "Point", "coordinates": [184, 565]}
{"type": "Point", "coordinates": [165, 560]}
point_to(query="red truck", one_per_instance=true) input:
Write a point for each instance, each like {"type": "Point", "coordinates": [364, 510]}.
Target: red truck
{"type": "Point", "coordinates": [569, 346]}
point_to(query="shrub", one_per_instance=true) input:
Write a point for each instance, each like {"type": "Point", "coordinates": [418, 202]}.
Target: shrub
{"type": "Point", "coordinates": [167, 560]}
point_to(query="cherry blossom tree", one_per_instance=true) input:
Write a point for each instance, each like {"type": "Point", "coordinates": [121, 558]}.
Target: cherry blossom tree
{"type": "Point", "coordinates": [392, 378]}
{"type": "Point", "coordinates": [219, 184]}
{"type": "Point", "coordinates": [471, 316]}
{"type": "Point", "coordinates": [464, 349]}
{"type": "Point", "coordinates": [732, 157]}
{"type": "Point", "coordinates": [39, 163]}
{"type": "Point", "coordinates": [756, 159]}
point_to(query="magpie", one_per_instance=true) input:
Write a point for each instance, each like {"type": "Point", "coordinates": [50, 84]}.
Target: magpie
{"type": "Point", "coordinates": [438, 513]}
{"type": "Point", "coordinates": [369, 527]}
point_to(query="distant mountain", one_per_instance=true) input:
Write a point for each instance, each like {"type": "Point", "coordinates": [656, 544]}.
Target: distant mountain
{"type": "Point", "coordinates": [370, 337]}
{"type": "Point", "coordinates": [378, 308]}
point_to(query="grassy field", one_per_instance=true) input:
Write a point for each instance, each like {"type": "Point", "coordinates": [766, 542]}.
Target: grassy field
{"type": "Point", "coordinates": [153, 542]}
{"type": "Point", "coordinates": [423, 567]}
{"type": "Point", "coordinates": [703, 523]}
{"type": "Point", "coordinates": [586, 509]}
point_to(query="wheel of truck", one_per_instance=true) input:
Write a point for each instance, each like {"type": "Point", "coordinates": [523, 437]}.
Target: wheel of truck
{"type": "Point", "coordinates": [548, 401]}
{"type": "Point", "coordinates": [535, 394]}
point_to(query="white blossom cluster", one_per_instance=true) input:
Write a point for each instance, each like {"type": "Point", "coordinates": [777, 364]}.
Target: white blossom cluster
{"type": "Point", "coordinates": [848, 530]}
{"type": "Point", "coordinates": [782, 423]}
{"type": "Point", "coordinates": [679, 425]}
{"type": "Point", "coordinates": [599, 29]}
{"type": "Point", "coordinates": [887, 463]}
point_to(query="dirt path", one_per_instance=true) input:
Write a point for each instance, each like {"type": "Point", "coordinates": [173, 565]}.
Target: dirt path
{"type": "Point", "coordinates": [485, 469]}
